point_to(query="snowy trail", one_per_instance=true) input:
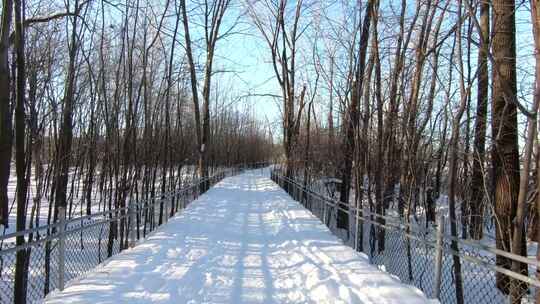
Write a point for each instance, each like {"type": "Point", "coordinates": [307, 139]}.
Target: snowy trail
{"type": "Point", "coordinates": [244, 241]}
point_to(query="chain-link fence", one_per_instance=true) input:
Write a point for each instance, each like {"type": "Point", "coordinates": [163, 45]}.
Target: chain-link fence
{"type": "Point", "coordinates": [448, 268]}
{"type": "Point", "coordinates": [48, 256]}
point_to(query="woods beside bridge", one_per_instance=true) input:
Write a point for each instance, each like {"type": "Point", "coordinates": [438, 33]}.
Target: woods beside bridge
{"type": "Point", "coordinates": [415, 108]}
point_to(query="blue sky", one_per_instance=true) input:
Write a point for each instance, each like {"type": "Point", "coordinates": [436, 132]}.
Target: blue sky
{"type": "Point", "coordinates": [249, 57]}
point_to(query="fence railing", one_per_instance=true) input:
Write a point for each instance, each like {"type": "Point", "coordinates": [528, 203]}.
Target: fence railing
{"type": "Point", "coordinates": [56, 253]}
{"type": "Point", "coordinates": [424, 257]}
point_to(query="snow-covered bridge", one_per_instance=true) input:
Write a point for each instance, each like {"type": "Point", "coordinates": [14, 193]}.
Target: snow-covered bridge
{"type": "Point", "coordinates": [243, 241]}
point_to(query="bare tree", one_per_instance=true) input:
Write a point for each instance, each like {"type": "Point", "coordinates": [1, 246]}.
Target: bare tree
{"type": "Point", "coordinates": [504, 131]}
{"type": "Point", "coordinates": [213, 17]}
{"type": "Point", "coordinates": [352, 118]}
{"type": "Point", "coordinates": [21, 265]}
{"type": "Point", "coordinates": [282, 37]}
{"type": "Point", "coordinates": [5, 109]}
{"type": "Point", "coordinates": [477, 181]}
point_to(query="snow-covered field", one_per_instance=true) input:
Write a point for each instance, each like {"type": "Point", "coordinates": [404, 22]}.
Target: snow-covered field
{"type": "Point", "coordinates": [76, 194]}
{"type": "Point", "coordinates": [244, 241]}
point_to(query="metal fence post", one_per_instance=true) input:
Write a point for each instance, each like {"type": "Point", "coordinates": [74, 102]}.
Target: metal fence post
{"type": "Point", "coordinates": [176, 202]}
{"type": "Point", "coordinates": [132, 219]}
{"type": "Point", "coordinates": [439, 255]}
{"type": "Point", "coordinates": [166, 206]}
{"type": "Point", "coordinates": [323, 211]}
{"type": "Point", "coordinates": [61, 247]}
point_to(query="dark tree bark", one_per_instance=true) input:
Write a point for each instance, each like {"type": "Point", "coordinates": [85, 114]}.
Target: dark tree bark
{"type": "Point", "coordinates": [379, 163]}
{"type": "Point", "coordinates": [535, 17]}
{"type": "Point", "coordinates": [5, 110]}
{"type": "Point", "coordinates": [505, 156]}
{"type": "Point", "coordinates": [21, 263]}
{"type": "Point", "coordinates": [477, 180]}
{"type": "Point", "coordinates": [518, 288]}
{"type": "Point", "coordinates": [453, 162]}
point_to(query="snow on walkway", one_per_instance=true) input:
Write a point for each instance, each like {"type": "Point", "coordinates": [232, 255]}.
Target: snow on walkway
{"type": "Point", "coordinates": [244, 241]}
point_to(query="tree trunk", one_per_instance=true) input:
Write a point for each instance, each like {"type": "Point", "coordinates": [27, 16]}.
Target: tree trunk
{"type": "Point", "coordinates": [352, 120]}
{"type": "Point", "coordinates": [505, 156]}
{"type": "Point", "coordinates": [392, 161]}
{"type": "Point", "coordinates": [477, 181]}
{"type": "Point", "coordinates": [63, 153]}
{"type": "Point", "coordinates": [5, 110]}
{"type": "Point", "coordinates": [379, 161]}
{"type": "Point", "coordinates": [535, 17]}
{"type": "Point", "coordinates": [452, 166]}
{"type": "Point", "coordinates": [21, 263]}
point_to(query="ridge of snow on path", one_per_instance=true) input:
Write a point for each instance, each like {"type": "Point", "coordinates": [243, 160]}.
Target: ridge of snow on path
{"type": "Point", "coordinates": [244, 241]}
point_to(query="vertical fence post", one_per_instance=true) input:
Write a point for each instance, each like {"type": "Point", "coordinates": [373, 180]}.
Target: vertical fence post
{"type": "Point", "coordinates": [61, 247]}
{"type": "Point", "coordinates": [132, 221]}
{"type": "Point", "coordinates": [177, 202]}
{"type": "Point", "coordinates": [356, 226]}
{"type": "Point", "coordinates": [166, 206]}
{"type": "Point", "coordinates": [184, 197]}
{"type": "Point", "coordinates": [439, 255]}
{"type": "Point", "coordinates": [323, 210]}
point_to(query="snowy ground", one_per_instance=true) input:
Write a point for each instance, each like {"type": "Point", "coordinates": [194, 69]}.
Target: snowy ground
{"type": "Point", "coordinates": [244, 241]}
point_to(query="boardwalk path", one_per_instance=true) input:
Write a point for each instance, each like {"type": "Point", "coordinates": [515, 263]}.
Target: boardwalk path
{"type": "Point", "coordinates": [244, 241]}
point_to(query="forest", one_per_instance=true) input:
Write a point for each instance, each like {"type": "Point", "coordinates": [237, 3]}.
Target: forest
{"type": "Point", "coordinates": [415, 109]}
